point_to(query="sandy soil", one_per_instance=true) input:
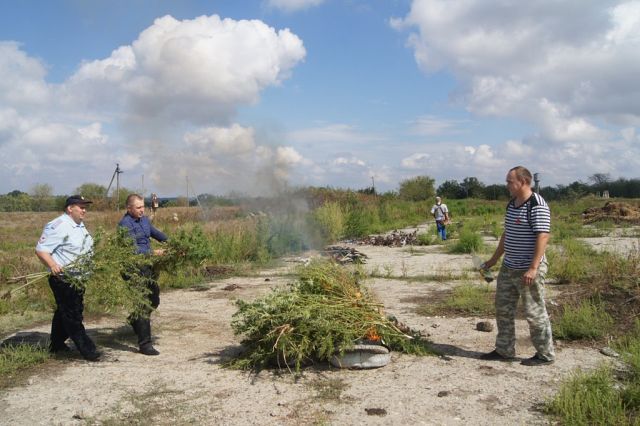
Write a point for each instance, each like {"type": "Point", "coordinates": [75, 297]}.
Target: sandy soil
{"type": "Point", "coordinates": [187, 385]}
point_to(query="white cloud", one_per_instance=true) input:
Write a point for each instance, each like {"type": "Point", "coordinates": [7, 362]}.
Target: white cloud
{"type": "Point", "coordinates": [21, 78]}
{"type": "Point", "coordinates": [431, 125]}
{"type": "Point", "coordinates": [512, 55]}
{"type": "Point", "coordinates": [293, 5]}
{"type": "Point", "coordinates": [163, 105]}
{"type": "Point", "coordinates": [348, 161]}
{"type": "Point", "coordinates": [415, 161]}
{"type": "Point", "coordinates": [340, 133]}
{"type": "Point", "coordinates": [197, 70]}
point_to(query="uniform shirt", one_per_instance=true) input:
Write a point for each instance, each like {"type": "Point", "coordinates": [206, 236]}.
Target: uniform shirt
{"type": "Point", "coordinates": [65, 240]}
{"type": "Point", "coordinates": [141, 231]}
{"type": "Point", "coordinates": [520, 235]}
{"type": "Point", "coordinates": [439, 211]}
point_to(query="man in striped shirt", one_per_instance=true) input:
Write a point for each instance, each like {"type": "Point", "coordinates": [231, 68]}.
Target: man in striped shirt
{"type": "Point", "coordinates": [523, 243]}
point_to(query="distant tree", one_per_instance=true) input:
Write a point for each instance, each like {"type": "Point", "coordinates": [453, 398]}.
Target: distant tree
{"type": "Point", "coordinates": [418, 188]}
{"type": "Point", "coordinates": [42, 194]}
{"type": "Point", "coordinates": [450, 189]}
{"type": "Point", "coordinates": [496, 192]}
{"type": "Point", "coordinates": [369, 191]}
{"type": "Point", "coordinates": [472, 187]}
{"type": "Point", "coordinates": [600, 178]}
{"type": "Point", "coordinates": [92, 191]}
{"type": "Point", "coordinates": [16, 193]}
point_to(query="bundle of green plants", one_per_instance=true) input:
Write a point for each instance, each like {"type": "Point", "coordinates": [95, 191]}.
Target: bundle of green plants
{"type": "Point", "coordinates": [188, 247]}
{"type": "Point", "coordinates": [111, 273]}
{"type": "Point", "coordinates": [325, 312]}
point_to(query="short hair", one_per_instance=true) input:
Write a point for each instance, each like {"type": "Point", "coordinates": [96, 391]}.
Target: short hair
{"type": "Point", "coordinates": [522, 173]}
{"type": "Point", "coordinates": [133, 197]}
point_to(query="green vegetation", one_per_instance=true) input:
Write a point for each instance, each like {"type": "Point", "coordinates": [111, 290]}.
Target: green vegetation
{"type": "Point", "coordinates": [588, 320]}
{"type": "Point", "coordinates": [606, 396]}
{"type": "Point", "coordinates": [19, 357]}
{"type": "Point", "coordinates": [465, 299]}
{"type": "Point", "coordinates": [589, 399]}
{"type": "Point", "coordinates": [325, 312]}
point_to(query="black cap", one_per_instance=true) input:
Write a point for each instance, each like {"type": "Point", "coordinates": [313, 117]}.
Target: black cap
{"type": "Point", "coordinates": [76, 199]}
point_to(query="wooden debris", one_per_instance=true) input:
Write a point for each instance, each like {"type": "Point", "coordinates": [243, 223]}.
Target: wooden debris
{"type": "Point", "coordinates": [344, 255]}
{"type": "Point", "coordinates": [393, 239]}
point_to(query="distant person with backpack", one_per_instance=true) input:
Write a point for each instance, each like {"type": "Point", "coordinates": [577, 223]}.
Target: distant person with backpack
{"type": "Point", "coordinates": [527, 226]}
{"type": "Point", "coordinates": [440, 213]}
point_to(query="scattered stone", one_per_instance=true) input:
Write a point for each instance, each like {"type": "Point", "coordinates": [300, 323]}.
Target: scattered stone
{"type": "Point", "coordinates": [443, 393]}
{"type": "Point", "coordinates": [607, 351]}
{"type": "Point", "coordinates": [486, 326]}
{"type": "Point", "coordinates": [231, 287]}
{"type": "Point", "coordinates": [267, 279]}
{"type": "Point", "coordinates": [446, 358]}
{"type": "Point", "coordinates": [376, 411]}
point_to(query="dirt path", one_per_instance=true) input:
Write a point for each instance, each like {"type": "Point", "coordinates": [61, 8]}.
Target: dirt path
{"type": "Point", "coordinates": [187, 385]}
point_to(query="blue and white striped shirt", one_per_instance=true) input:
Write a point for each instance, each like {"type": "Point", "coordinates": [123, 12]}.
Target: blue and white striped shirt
{"type": "Point", "coordinates": [520, 235]}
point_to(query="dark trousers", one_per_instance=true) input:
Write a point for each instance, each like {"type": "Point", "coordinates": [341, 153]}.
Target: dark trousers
{"type": "Point", "coordinates": [141, 323]}
{"type": "Point", "coordinates": [67, 319]}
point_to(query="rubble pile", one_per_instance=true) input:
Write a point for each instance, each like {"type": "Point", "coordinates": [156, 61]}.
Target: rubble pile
{"type": "Point", "coordinates": [344, 255]}
{"type": "Point", "coordinates": [617, 212]}
{"type": "Point", "coordinates": [393, 239]}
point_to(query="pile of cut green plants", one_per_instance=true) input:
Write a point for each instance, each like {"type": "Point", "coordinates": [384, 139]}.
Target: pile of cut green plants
{"type": "Point", "coordinates": [326, 312]}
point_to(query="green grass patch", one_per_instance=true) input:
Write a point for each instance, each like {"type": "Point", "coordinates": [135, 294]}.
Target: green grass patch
{"type": "Point", "coordinates": [466, 299]}
{"type": "Point", "coordinates": [20, 357]}
{"type": "Point", "coordinates": [470, 241]}
{"type": "Point", "coordinates": [589, 399]}
{"type": "Point", "coordinates": [588, 320]}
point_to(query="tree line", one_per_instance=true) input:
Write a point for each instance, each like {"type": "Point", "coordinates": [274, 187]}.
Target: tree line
{"type": "Point", "coordinates": [418, 188]}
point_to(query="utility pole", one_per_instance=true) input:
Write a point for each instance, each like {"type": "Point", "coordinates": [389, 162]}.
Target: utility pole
{"type": "Point", "coordinates": [187, 190]}
{"type": "Point", "coordinates": [116, 176]}
{"type": "Point", "coordinates": [373, 186]}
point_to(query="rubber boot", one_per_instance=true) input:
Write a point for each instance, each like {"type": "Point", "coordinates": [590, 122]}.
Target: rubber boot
{"type": "Point", "coordinates": [143, 330]}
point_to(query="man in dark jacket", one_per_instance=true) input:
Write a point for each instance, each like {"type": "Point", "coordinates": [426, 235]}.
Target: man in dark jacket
{"type": "Point", "coordinates": [141, 230]}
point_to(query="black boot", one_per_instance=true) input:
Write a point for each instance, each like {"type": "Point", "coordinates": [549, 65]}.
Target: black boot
{"type": "Point", "coordinates": [86, 347]}
{"type": "Point", "coordinates": [142, 328]}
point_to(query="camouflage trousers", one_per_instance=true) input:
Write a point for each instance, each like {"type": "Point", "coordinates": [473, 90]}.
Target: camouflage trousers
{"type": "Point", "coordinates": [510, 289]}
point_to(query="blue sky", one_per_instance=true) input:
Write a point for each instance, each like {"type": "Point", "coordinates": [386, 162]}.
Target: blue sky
{"type": "Point", "coordinates": [253, 96]}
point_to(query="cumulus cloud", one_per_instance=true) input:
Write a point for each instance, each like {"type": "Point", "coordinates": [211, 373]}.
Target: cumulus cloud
{"type": "Point", "coordinates": [173, 91]}
{"type": "Point", "coordinates": [567, 68]}
{"type": "Point", "coordinates": [21, 78]}
{"type": "Point", "coordinates": [293, 5]}
{"type": "Point", "coordinates": [198, 70]}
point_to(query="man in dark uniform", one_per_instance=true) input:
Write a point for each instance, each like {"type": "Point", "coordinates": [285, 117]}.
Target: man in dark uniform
{"type": "Point", "coordinates": [141, 230]}
{"type": "Point", "coordinates": [63, 240]}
